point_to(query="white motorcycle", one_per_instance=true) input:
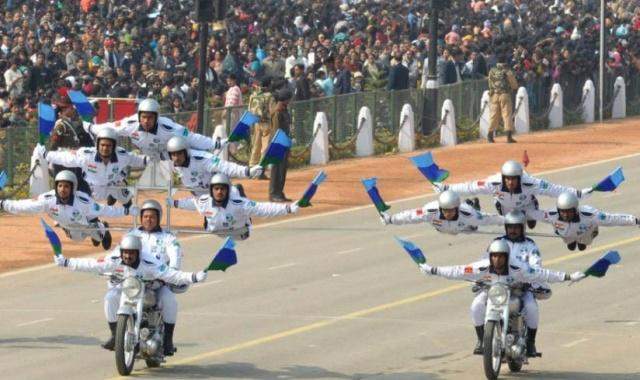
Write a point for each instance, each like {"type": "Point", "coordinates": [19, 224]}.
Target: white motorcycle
{"type": "Point", "coordinates": [505, 334]}
{"type": "Point", "coordinates": [140, 329]}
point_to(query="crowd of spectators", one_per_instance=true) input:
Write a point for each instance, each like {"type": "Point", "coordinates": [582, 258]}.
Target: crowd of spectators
{"type": "Point", "coordinates": [141, 48]}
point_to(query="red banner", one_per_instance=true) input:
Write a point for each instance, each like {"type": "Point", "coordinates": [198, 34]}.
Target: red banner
{"type": "Point", "coordinates": [121, 109]}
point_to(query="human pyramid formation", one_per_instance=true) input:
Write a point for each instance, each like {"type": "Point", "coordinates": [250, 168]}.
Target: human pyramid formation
{"type": "Point", "coordinates": [513, 257]}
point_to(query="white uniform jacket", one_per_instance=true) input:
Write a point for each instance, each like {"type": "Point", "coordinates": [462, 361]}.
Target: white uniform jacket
{"type": "Point", "coordinates": [154, 142]}
{"type": "Point", "coordinates": [585, 226]}
{"type": "Point", "coordinates": [98, 174]}
{"type": "Point", "coordinates": [468, 218]}
{"type": "Point", "coordinates": [162, 245]}
{"type": "Point", "coordinates": [518, 272]}
{"type": "Point", "coordinates": [201, 166]}
{"type": "Point", "coordinates": [77, 213]}
{"type": "Point", "coordinates": [523, 200]}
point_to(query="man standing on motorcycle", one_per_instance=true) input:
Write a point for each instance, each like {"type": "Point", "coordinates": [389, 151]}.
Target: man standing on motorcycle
{"type": "Point", "coordinates": [512, 189]}
{"type": "Point", "coordinates": [447, 215]}
{"type": "Point", "coordinates": [228, 214]}
{"type": "Point", "coordinates": [500, 265]}
{"type": "Point", "coordinates": [131, 253]}
{"type": "Point", "coordinates": [578, 225]}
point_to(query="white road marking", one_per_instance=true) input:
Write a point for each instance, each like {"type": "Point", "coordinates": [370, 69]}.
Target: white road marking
{"type": "Point", "coordinates": [34, 322]}
{"type": "Point", "coordinates": [414, 235]}
{"type": "Point", "coordinates": [282, 266]}
{"type": "Point", "coordinates": [612, 194]}
{"type": "Point", "coordinates": [208, 283]}
{"type": "Point", "coordinates": [575, 342]}
{"type": "Point", "coordinates": [349, 251]}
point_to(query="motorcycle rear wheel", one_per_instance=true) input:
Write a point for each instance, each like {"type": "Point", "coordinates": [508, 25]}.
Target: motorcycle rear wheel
{"type": "Point", "coordinates": [492, 356]}
{"type": "Point", "coordinates": [125, 351]}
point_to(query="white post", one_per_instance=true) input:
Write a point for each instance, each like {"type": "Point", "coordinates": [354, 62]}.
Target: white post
{"type": "Point", "coordinates": [588, 107]}
{"type": "Point", "coordinates": [364, 141]}
{"type": "Point", "coordinates": [407, 134]}
{"type": "Point", "coordinates": [221, 133]}
{"type": "Point", "coordinates": [320, 144]}
{"type": "Point", "coordinates": [556, 116]}
{"type": "Point", "coordinates": [484, 115]}
{"type": "Point", "coordinates": [521, 122]}
{"type": "Point", "coordinates": [448, 136]}
{"type": "Point", "coordinates": [619, 109]}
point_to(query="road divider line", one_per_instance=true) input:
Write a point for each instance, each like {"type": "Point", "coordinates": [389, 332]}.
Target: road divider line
{"type": "Point", "coordinates": [361, 313]}
{"type": "Point", "coordinates": [34, 322]}
{"type": "Point", "coordinates": [281, 266]}
{"type": "Point", "coordinates": [349, 251]}
{"type": "Point", "coordinates": [575, 343]}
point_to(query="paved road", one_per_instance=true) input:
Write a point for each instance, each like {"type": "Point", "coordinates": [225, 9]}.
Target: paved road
{"type": "Point", "coordinates": [334, 297]}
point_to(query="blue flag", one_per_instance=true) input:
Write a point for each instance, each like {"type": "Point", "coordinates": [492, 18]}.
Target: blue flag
{"type": "Point", "coordinates": [54, 240]}
{"type": "Point", "coordinates": [370, 184]}
{"type": "Point", "coordinates": [46, 121]}
{"type": "Point", "coordinates": [412, 250]}
{"type": "Point", "coordinates": [242, 130]}
{"type": "Point", "coordinates": [225, 257]}
{"type": "Point", "coordinates": [305, 201]}
{"type": "Point", "coordinates": [277, 149]}
{"type": "Point", "coordinates": [610, 182]}
{"type": "Point", "coordinates": [428, 168]}
{"type": "Point", "coordinates": [600, 267]}
{"type": "Point", "coordinates": [82, 104]}
{"type": "Point", "coordinates": [4, 178]}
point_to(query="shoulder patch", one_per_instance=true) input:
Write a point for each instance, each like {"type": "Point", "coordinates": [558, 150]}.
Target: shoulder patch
{"type": "Point", "coordinates": [47, 196]}
{"type": "Point", "coordinates": [237, 201]}
{"type": "Point", "coordinates": [132, 121]}
{"type": "Point", "coordinates": [586, 213]}
{"type": "Point", "coordinates": [468, 269]}
{"type": "Point", "coordinates": [197, 158]}
{"type": "Point", "coordinates": [148, 262]}
{"type": "Point", "coordinates": [121, 150]}
{"type": "Point", "coordinates": [529, 184]}
{"type": "Point", "coordinates": [167, 127]}
{"type": "Point", "coordinates": [514, 267]}
{"type": "Point", "coordinates": [83, 199]}
{"type": "Point", "coordinates": [432, 210]}
{"type": "Point", "coordinates": [496, 183]}
{"type": "Point", "coordinates": [465, 213]}
{"type": "Point", "coordinates": [553, 213]}
{"type": "Point", "coordinates": [483, 269]}
{"type": "Point", "coordinates": [86, 151]}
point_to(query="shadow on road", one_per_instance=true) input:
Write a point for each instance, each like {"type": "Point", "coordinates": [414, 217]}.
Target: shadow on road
{"type": "Point", "coordinates": [559, 375]}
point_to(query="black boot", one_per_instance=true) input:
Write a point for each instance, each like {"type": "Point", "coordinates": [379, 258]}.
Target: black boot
{"type": "Point", "coordinates": [169, 349]}
{"type": "Point", "coordinates": [473, 202]}
{"type": "Point", "coordinates": [572, 246]}
{"type": "Point", "coordinates": [582, 247]}
{"type": "Point", "coordinates": [106, 239]}
{"type": "Point", "coordinates": [490, 137]}
{"type": "Point", "coordinates": [531, 224]}
{"type": "Point", "coordinates": [510, 138]}
{"type": "Point", "coordinates": [531, 343]}
{"type": "Point", "coordinates": [111, 343]}
{"type": "Point", "coordinates": [110, 200]}
{"type": "Point", "coordinates": [478, 350]}
{"type": "Point", "coordinates": [95, 242]}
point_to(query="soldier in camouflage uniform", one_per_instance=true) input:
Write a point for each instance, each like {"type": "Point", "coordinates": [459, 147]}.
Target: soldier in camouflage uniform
{"type": "Point", "coordinates": [261, 103]}
{"type": "Point", "coordinates": [68, 134]}
{"type": "Point", "coordinates": [501, 82]}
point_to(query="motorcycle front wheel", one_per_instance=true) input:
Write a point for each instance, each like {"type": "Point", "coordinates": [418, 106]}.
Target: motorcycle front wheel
{"type": "Point", "coordinates": [125, 346]}
{"type": "Point", "coordinates": [492, 356]}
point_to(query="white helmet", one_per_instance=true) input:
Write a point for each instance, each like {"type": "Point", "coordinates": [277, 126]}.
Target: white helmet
{"type": "Point", "coordinates": [177, 144]}
{"type": "Point", "coordinates": [567, 201]}
{"type": "Point", "coordinates": [499, 246]}
{"type": "Point", "coordinates": [515, 217]}
{"type": "Point", "coordinates": [132, 242]}
{"type": "Point", "coordinates": [152, 204]}
{"type": "Point", "coordinates": [220, 179]}
{"type": "Point", "coordinates": [448, 200]}
{"type": "Point", "coordinates": [149, 105]}
{"type": "Point", "coordinates": [511, 169]}
{"type": "Point", "coordinates": [107, 133]}
{"type": "Point", "coordinates": [67, 176]}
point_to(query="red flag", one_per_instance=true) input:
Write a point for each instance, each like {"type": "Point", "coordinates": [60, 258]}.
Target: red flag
{"type": "Point", "coordinates": [525, 159]}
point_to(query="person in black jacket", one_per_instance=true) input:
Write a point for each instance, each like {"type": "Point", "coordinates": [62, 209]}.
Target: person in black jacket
{"type": "Point", "coordinates": [398, 76]}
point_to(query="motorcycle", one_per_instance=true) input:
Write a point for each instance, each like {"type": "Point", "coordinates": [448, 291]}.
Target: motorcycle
{"type": "Point", "coordinates": [140, 327]}
{"type": "Point", "coordinates": [505, 333]}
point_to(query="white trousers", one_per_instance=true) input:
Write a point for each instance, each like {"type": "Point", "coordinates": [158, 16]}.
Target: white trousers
{"type": "Point", "coordinates": [531, 312]}
{"type": "Point", "coordinates": [585, 238]}
{"type": "Point", "coordinates": [122, 195]}
{"type": "Point", "coordinates": [166, 299]}
{"type": "Point", "coordinates": [93, 230]}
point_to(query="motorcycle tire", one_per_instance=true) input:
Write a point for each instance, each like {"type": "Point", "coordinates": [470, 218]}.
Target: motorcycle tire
{"type": "Point", "coordinates": [124, 360]}
{"type": "Point", "coordinates": [514, 365]}
{"type": "Point", "coordinates": [490, 361]}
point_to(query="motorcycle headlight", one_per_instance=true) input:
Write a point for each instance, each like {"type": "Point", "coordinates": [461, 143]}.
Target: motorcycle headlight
{"type": "Point", "coordinates": [131, 287]}
{"type": "Point", "coordinates": [498, 295]}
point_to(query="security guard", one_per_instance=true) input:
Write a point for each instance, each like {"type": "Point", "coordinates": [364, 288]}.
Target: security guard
{"type": "Point", "coordinates": [261, 103]}
{"type": "Point", "coordinates": [501, 82]}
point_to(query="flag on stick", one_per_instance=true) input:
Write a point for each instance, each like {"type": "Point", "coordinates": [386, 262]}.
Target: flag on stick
{"type": "Point", "coordinates": [412, 250]}
{"type": "Point", "coordinates": [610, 182]}
{"type": "Point", "coordinates": [600, 267]}
{"type": "Point", "coordinates": [225, 257]}
{"type": "Point", "coordinates": [277, 149]}
{"type": "Point", "coordinates": [428, 168]}
{"type": "Point", "coordinates": [82, 104]}
{"type": "Point", "coordinates": [46, 121]}
{"type": "Point", "coordinates": [305, 201]}
{"type": "Point", "coordinates": [54, 240]}
{"type": "Point", "coordinates": [374, 194]}
{"type": "Point", "coordinates": [242, 130]}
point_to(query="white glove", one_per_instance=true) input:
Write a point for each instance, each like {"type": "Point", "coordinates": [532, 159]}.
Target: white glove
{"type": "Point", "coordinates": [585, 192]}
{"type": "Point", "coordinates": [439, 187]}
{"type": "Point", "coordinates": [134, 211]}
{"type": "Point", "coordinates": [576, 276]}
{"type": "Point", "coordinates": [256, 171]}
{"type": "Point", "coordinates": [426, 269]}
{"type": "Point", "coordinates": [385, 218]}
{"type": "Point", "coordinates": [293, 208]}
{"type": "Point", "coordinates": [60, 260]}
{"type": "Point", "coordinates": [200, 276]}
{"type": "Point", "coordinates": [41, 151]}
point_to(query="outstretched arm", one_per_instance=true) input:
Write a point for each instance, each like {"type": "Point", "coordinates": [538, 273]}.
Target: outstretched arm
{"type": "Point", "coordinates": [23, 206]}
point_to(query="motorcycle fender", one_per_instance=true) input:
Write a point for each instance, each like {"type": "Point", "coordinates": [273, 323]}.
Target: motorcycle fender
{"type": "Point", "coordinates": [126, 310]}
{"type": "Point", "coordinates": [493, 313]}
